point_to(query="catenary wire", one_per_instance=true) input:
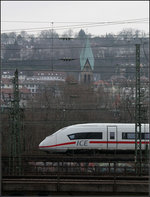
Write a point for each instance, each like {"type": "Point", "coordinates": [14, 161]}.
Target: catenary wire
{"type": "Point", "coordinates": [85, 25]}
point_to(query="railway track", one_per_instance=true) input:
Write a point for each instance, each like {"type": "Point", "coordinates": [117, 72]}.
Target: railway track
{"type": "Point", "coordinates": [78, 157]}
{"type": "Point", "coordinates": [76, 177]}
{"type": "Point", "coordinates": [71, 185]}
{"type": "Point", "coordinates": [73, 181]}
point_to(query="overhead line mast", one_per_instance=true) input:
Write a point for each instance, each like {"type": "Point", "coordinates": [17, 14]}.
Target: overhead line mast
{"type": "Point", "coordinates": [52, 46]}
{"type": "Point", "coordinates": [138, 114]}
{"type": "Point", "coordinates": [15, 131]}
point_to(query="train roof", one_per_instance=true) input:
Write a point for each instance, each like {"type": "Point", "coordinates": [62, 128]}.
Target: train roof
{"type": "Point", "coordinates": [96, 125]}
{"type": "Point", "coordinates": [102, 124]}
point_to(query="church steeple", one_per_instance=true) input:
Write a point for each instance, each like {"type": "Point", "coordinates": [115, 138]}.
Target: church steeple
{"type": "Point", "coordinates": [86, 63]}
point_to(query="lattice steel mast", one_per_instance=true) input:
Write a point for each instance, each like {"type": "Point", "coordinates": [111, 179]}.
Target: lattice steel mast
{"type": "Point", "coordinates": [15, 130]}
{"type": "Point", "coordinates": [138, 114]}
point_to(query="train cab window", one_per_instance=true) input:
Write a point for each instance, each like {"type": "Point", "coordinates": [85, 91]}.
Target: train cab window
{"type": "Point", "coordinates": [88, 135]}
{"type": "Point", "coordinates": [112, 135]}
{"type": "Point", "coordinates": [72, 137]}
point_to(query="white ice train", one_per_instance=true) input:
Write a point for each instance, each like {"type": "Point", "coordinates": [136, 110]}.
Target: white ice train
{"type": "Point", "coordinates": [98, 136]}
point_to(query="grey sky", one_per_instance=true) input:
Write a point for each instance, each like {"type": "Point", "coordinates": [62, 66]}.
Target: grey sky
{"type": "Point", "coordinates": [63, 13]}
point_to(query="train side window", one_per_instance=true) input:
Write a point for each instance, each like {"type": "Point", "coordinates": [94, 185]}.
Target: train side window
{"type": "Point", "coordinates": [124, 136]}
{"type": "Point", "coordinates": [131, 136]}
{"type": "Point", "coordinates": [81, 135]}
{"type": "Point", "coordinates": [128, 136]}
{"type": "Point", "coordinates": [145, 136]}
{"type": "Point", "coordinates": [88, 135]}
{"type": "Point", "coordinates": [112, 135]}
{"type": "Point", "coordinates": [94, 135]}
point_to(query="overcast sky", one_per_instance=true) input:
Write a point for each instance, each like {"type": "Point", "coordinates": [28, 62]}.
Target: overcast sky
{"type": "Point", "coordinates": [66, 13]}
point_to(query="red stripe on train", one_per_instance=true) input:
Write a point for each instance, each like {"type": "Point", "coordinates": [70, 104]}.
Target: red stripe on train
{"type": "Point", "coordinates": [63, 144]}
{"type": "Point", "coordinates": [96, 142]}
{"type": "Point", "coordinates": [116, 142]}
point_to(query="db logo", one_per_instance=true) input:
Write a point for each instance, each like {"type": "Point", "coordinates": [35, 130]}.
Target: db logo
{"type": "Point", "coordinates": [82, 143]}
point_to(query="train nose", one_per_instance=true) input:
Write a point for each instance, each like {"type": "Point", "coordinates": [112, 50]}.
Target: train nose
{"type": "Point", "coordinates": [48, 143]}
{"type": "Point", "coordinates": [42, 144]}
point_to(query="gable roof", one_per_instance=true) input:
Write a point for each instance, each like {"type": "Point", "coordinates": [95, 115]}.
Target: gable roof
{"type": "Point", "coordinates": [87, 53]}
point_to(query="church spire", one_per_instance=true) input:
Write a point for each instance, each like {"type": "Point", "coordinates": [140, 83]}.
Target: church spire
{"type": "Point", "coordinates": [86, 63]}
{"type": "Point", "coordinates": [87, 54]}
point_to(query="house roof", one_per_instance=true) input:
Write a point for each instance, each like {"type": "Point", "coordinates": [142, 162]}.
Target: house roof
{"type": "Point", "coordinates": [6, 81]}
{"type": "Point", "coordinates": [7, 90]}
{"type": "Point", "coordinates": [24, 90]}
{"type": "Point", "coordinates": [10, 90]}
{"type": "Point", "coordinates": [48, 73]}
{"type": "Point", "coordinates": [101, 82]}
